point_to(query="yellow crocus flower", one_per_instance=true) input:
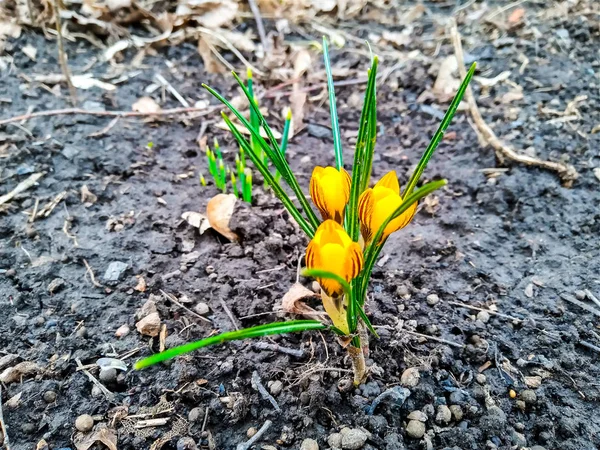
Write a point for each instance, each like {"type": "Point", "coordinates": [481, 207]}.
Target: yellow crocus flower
{"type": "Point", "coordinates": [330, 192]}
{"type": "Point", "coordinates": [332, 250]}
{"type": "Point", "coordinates": [376, 204]}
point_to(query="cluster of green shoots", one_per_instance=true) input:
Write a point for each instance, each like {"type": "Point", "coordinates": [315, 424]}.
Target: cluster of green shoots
{"type": "Point", "coordinates": [241, 185]}
{"type": "Point", "coordinates": [356, 223]}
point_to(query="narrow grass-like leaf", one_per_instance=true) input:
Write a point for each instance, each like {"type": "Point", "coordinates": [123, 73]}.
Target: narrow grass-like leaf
{"type": "Point", "coordinates": [318, 273]}
{"type": "Point", "coordinates": [266, 173]}
{"type": "Point", "coordinates": [374, 248]}
{"type": "Point", "coordinates": [284, 139]}
{"type": "Point", "coordinates": [335, 125]}
{"type": "Point", "coordinates": [366, 321]}
{"type": "Point", "coordinates": [439, 134]}
{"type": "Point", "coordinates": [246, 333]}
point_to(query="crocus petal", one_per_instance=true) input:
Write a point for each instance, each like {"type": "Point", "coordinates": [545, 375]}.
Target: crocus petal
{"type": "Point", "coordinates": [390, 181]}
{"type": "Point", "coordinates": [330, 192]}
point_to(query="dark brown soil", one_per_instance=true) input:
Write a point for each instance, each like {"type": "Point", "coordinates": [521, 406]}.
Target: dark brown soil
{"type": "Point", "coordinates": [519, 241]}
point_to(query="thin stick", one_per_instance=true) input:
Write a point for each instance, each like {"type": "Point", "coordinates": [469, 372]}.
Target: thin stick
{"type": "Point", "coordinates": [229, 314]}
{"type": "Point", "coordinates": [573, 300]}
{"type": "Point", "coordinates": [591, 296]}
{"type": "Point", "coordinates": [174, 300]}
{"type": "Point", "coordinates": [257, 384]}
{"type": "Point", "coordinates": [21, 187]}
{"type": "Point", "coordinates": [90, 272]}
{"type": "Point", "coordinates": [162, 80]}
{"type": "Point", "coordinates": [506, 316]}
{"type": "Point", "coordinates": [590, 346]}
{"type": "Point", "coordinates": [433, 338]}
{"type": "Point", "coordinates": [2, 424]}
{"type": "Point", "coordinates": [566, 172]}
{"type": "Point", "coordinates": [72, 111]}
{"type": "Point", "coordinates": [109, 395]}
{"type": "Point", "coordinates": [259, 24]}
{"type": "Point", "coordinates": [278, 348]}
{"type": "Point", "coordinates": [61, 53]}
{"type": "Point", "coordinates": [249, 443]}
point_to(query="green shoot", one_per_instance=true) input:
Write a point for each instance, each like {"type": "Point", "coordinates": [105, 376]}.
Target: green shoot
{"type": "Point", "coordinates": [335, 125]}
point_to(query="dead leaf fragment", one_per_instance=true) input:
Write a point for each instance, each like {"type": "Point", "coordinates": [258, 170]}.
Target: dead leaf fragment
{"type": "Point", "coordinates": [105, 435]}
{"type": "Point", "coordinates": [21, 370]}
{"type": "Point", "coordinates": [30, 51]}
{"type": "Point", "coordinates": [446, 83]}
{"type": "Point", "coordinates": [87, 82]}
{"type": "Point", "coordinates": [292, 303]}
{"type": "Point", "coordinates": [141, 284]}
{"type": "Point", "coordinates": [149, 325]}
{"type": "Point", "coordinates": [219, 211]}
{"type": "Point", "coordinates": [87, 197]}
{"type": "Point", "coordinates": [197, 220]}
{"type": "Point", "coordinates": [533, 382]}
{"type": "Point", "coordinates": [146, 105]}
{"type": "Point", "coordinates": [529, 290]}
{"type": "Point", "coordinates": [14, 401]}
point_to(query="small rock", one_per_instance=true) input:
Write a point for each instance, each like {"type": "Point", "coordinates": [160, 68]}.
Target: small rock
{"type": "Point", "coordinates": [28, 428]}
{"type": "Point", "coordinates": [481, 378]}
{"type": "Point", "coordinates": [147, 308]}
{"type": "Point", "coordinates": [196, 414]}
{"type": "Point", "coordinates": [115, 270]}
{"type": "Point", "coordinates": [49, 396]}
{"type": "Point", "coordinates": [149, 325]}
{"type": "Point", "coordinates": [483, 316]}
{"type": "Point", "coordinates": [108, 375]}
{"type": "Point", "coordinates": [518, 439]}
{"type": "Point", "coordinates": [97, 392]}
{"type": "Point", "coordinates": [84, 423]}
{"type": "Point", "coordinates": [443, 416]}
{"type": "Point", "coordinates": [82, 332]}
{"type": "Point", "coordinates": [432, 299]}
{"type": "Point", "coordinates": [309, 444]}
{"type": "Point", "coordinates": [186, 443]}
{"type": "Point", "coordinates": [580, 295]}
{"type": "Point", "coordinates": [190, 258]}
{"type": "Point", "coordinates": [56, 285]}
{"type": "Point", "coordinates": [417, 415]}
{"type": "Point", "coordinates": [201, 308]}
{"type": "Point", "coordinates": [403, 291]}
{"type": "Point", "coordinates": [528, 396]}
{"type": "Point", "coordinates": [415, 429]}
{"type": "Point", "coordinates": [537, 447]}
{"type": "Point", "coordinates": [410, 377]}
{"type": "Point", "coordinates": [276, 387]}
{"type": "Point", "coordinates": [122, 331]}
{"type": "Point", "coordinates": [457, 412]}
{"type": "Point", "coordinates": [533, 382]}
{"type": "Point", "coordinates": [335, 440]}
{"type": "Point", "coordinates": [521, 405]}
{"type": "Point", "coordinates": [353, 438]}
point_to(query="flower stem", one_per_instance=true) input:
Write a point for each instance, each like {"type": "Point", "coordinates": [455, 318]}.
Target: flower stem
{"type": "Point", "coordinates": [358, 364]}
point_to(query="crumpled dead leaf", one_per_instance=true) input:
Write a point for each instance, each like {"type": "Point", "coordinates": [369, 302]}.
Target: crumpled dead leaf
{"type": "Point", "coordinates": [211, 63]}
{"type": "Point", "coordinates": [15, 373]}
{"type": "Point", "coordinates": [87, 197]}
{"type": "Point", "coordinates": [8, 30]}
{"type": "Point", "coordinates": [87, 81]}
{"type": "Point", "coordinates": [146, 105]}
{"type": "Point", "coordinates": [103, 434]}
{"type": "Point", "coordinates": [208, 13]}
{"type": "Point", "coordinates": [219, 211]}
{"type": "Point", "coordinates": [197, 220]}
{"type": "Point", "coordinates": [292, 303]}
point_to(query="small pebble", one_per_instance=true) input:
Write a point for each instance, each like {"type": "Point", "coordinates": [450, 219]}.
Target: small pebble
{"type": "Point", "coordinates": [251, 432]}
{"type": "Point", "coordinates": [481, 378]}
{"type": "Point", "coordinates": [410, 377]}
{"type": "Point", "coordinates": [432, 299]}
{"type": "Point", "coordinates": [149, 325]}
{"type": "Point", "coordinates": [108, 376]}
{"type": "Point", "coordinates": [84, 423]}
{"type": "Point", "coordinates": [316, 287]}
{"type": "Point", "coordinates": [309, 444]}
{"type": "Point", "coordinates": [28, 428]}
{"type": "Point", "coordinates": [122, 331]}
{"type": "Point", "coordinates": [56, 285]}
{"type": "Point", "coordinates": [276, 387]}
{"type": "Point", "coordinates": [580, 295]}
{"type": "Point", "coordinates": [402, 291]}
{"type": "Point", "coordinates": [528, 396]}
{"type": "Point", "coordinates": [457, 412]}
{"type": "Point", "coordinates": [186, 443]}
{"type": "Point", "coordinates": [49, 396]}
{"type": "Point", "coordinates": [335, 440]}
{"type": "Point", "coordinates": [82, 332]}
{"type": "Point", "coordinates": [196, 414]}
{"type": "Point", "coordinates": [96, 392]}
{"type": "Point", "coordinates": [417, 415]}
{"type": "Point", "coordinates": [201, 308]}
{"type": "Point", "coordinates": [443, 416]}
{"type": "Point", "coordinates": [483, 316]}
{"type": "Point", "coordinates": [415, 429]}
{"type": "Point", "coordinates": [353, 438]}
{"type": "Point", "coordinates": [512, 393]}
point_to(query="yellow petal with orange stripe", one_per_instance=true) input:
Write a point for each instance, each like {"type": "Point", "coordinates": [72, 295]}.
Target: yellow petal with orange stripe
{"type": "Point", "coordinates": [376, 204]}
{"type": "Point", "coordinates": [330, 192]}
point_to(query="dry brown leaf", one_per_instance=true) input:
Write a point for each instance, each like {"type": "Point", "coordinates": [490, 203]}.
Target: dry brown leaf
{"type": "Point", "coordinates": [105, 435]}
{"type": "Point", "coordinates": [23, 12]}
{"type": "Point", "coordinates": [8, 30]}
{"type": "Point", "coordinates": [15, 373]}
{"type": "Point", "coordinates": [292, 303]}
{"type": "Point", "coordinates": [87, 197]}
{"type": "Point", "coordinates": [512, 96]}
{"type": "Point", "coordinates": [30, 51]}
{"type": "Point", "coordinates": [446, 83]}
{"type": "Point", "coordinates": [146, 105]}
{"type": "Point", "coordinates": [162, 338]}
{"type": "Point", "coordinates": [210, 14]}
{"type": "Point", "coordinates": [241, 41]}
{"type": "Point", "coordinates": [211, 63]}
{"type": "Point", "coordinates": [197, 220]}
{"type": "Point", "coordinates": [141, 284]}
{"type": "Point", "coordinates": [87, 82]}
{"type": "Point", "coordinates": [219, 211]}
{"type": "Point", "coordinates": [302, 62]}
{"type": "Point", "coordinates": [14, 401]}
{"type": "Point", "coordinates": [397, 38]}
{"type": "Point", "coordinates": [297, 102]}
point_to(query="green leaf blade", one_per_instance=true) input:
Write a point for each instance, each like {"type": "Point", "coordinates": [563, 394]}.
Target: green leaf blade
{"type": "Point", "coordinates": [335, 125]}
{"type": "Point", "coordinates": [246, 333]}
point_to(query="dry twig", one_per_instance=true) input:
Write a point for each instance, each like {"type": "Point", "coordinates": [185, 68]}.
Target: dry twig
{"type": "Point", "coordinates": [21, 187]}
{"type": "Point", "coordinates": [90, 272]}
{"type": "Point", "coordinates": [257, 384]}
{"type": "Point", "coordinates": [2, 425]}
{"type": "Point", "coordinates": [433, 338]}
{"type": "Point", "coordinates": [73, 111]}
{"type": "Point", "coordinates": [249, 443]}
{"type": "Point", "coordinates": [298, 353]}
{"type": "Point", "coordinates": [62, 58]}
{"type": "Point", "coordinates": [566, 172]}
{"type": "Point", "coordinates": [259, 24]}
{"type": "Point", "coordinates": [174, 300]}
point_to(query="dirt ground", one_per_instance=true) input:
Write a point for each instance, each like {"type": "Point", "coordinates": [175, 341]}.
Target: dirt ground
{"type": "Point", "coordinates": [501, 236]}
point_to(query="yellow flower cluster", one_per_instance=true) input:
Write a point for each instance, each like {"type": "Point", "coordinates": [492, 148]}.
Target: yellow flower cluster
{"type": "Point", "coordinates": [331, 249]}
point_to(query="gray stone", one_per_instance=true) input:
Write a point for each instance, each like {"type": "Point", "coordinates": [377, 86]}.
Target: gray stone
{"type": "Point", "coordinates": [186, 443]}
{"type": "Point", "coordinates": [70, 151]}
{"type": "Point", "coordinates": [276, 387]}
{"type": "Point", "coordinates": [49, 396]}
{"type": "Point", "coordinates": [481, 378]}
{"type": "Point", "coordinates": [457, 412]}
{"type": "Point", "coordinates": [201, 308]}
{"type": "Point", "coordinates": [415, 429]}
{"type": "Point", "coordinates": [108, 375]}
{"type": "Point", "coordinates": [309, 444]}
{"type": "Point", "coordinates": [443, 416]}
{"type": "Point", "coordinates": [353, 438]}
{"type": "Point", "coordinates": [115, 270]}
{"type": "Point", "coordinates": [335, 440]}
{"type": "Point", "coordinates": [84, 423]}
{"type": "Point", "coordinates": [483, 316]}
{"type": "Point", "coordinates": [56, 285]}
{"type": "Point", "coordinates": [518, 439]}
{"type": "Point", "coordinates": [494, 421]}
{"type": "Point", "coordinates": [410, 377]}
{"type": "Point", "coordinates": [196, 415]}
{"type": "Point", "coordinates": [528, 396]}
{"type": "Point", "coordinates": [417, 415]}
{"type": "Point", "coordinates": [432, 299]}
